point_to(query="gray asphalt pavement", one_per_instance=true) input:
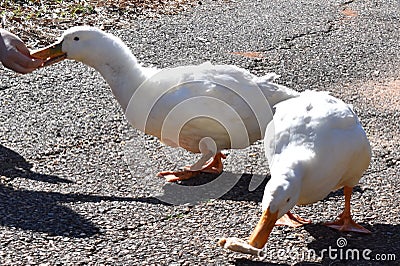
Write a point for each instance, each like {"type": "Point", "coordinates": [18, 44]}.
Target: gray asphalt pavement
{"type": "Point", "coordinates": [67, 195]}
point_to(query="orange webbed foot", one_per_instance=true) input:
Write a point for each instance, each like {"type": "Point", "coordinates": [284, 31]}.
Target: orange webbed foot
{"type": "Point", "coordinates": [346, 224]}
{"type": "Point", "coordinates": [213, 167]}
{"type": "Point", "coordinates": [292, 220]}
{"type": "Point", "coordinates": [174, 176]}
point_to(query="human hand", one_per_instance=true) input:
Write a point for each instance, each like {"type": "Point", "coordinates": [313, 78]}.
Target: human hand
{"type": "Point", "coordinates": [14, 54]}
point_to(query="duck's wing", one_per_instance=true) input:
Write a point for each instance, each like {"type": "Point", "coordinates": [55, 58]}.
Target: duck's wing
{"type": "Point", "coordinates": [196, 95]}
{"type": "Point", "coordinates": [273, 92]}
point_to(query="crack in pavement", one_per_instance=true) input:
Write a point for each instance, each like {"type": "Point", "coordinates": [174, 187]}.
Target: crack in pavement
{"type": "Point", "coordinates": [347, 3]}
{"type": "Point", "coordinates": [288, 40]}
{"type": "Point", "coordinates": [329, 29]}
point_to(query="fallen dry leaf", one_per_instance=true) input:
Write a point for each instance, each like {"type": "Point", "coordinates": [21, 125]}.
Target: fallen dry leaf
{"type": "Point", "coordinates": [249, 54]}
{"type": "Point", "coordinates": [349, 13]}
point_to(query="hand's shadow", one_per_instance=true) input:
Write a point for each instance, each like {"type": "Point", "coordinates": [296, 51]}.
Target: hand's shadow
{"type": "Point", "coordinates": [14, 165]}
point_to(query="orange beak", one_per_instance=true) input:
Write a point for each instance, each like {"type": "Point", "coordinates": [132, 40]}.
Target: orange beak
{"type": "Point", "coordinates": [50, 54]}
{"type": "Point", "coordinates": [260, 235]}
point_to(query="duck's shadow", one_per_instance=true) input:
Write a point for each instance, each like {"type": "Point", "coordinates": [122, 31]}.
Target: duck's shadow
{"type": "Point", "coordinates": [227, 186]}
{"type": "Point", "coordinates": [42, 211]}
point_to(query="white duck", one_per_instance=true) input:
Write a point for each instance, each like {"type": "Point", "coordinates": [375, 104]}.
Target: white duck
{"type": "Point", "coordinates": [314, 145]}
{"type": "Point", "coordinates": [204, 108]}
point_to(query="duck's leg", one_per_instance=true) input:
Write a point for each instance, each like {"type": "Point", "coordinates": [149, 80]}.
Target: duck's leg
{"type": "Point", "coordinates": [345, 222]}
{"type": "Point", "coordinates": [292, 220]}
{"type": "Point", "coordinates": [215, 166]}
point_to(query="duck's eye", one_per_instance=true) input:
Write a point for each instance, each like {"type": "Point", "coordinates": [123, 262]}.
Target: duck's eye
{"type": "Point", "coordinates": [76, 38]}
{"type": "Point", "coordinates": [288, 199]}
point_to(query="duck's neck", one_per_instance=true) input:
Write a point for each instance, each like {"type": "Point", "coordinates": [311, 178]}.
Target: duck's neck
{"type": "Point", "coordinates": [123, 79]}
{"type": "Point", "coordinates": [120, 69]}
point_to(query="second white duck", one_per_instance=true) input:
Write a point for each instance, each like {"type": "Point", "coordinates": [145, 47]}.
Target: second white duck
{"type": "Point", "coordinates": [314, 145]}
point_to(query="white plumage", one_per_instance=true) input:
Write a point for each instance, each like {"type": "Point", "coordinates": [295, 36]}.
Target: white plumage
{"type": "Point", "coordinates": [204, 108]}
{"type": "Point", "coordinates": [315, 144]}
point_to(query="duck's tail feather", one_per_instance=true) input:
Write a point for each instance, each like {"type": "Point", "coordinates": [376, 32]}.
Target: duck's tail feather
{"type": "Point", "coordinates": [274, 92]}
